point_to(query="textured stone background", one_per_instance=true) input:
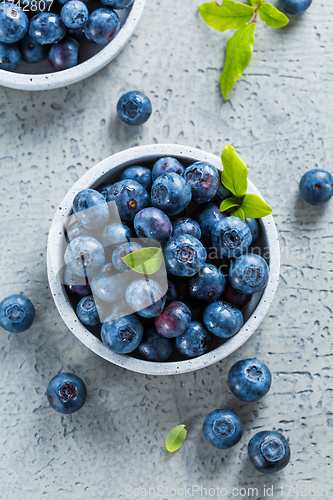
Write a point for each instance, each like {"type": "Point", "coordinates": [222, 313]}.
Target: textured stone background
{"type": "Point", "coordinates": [279, 118]}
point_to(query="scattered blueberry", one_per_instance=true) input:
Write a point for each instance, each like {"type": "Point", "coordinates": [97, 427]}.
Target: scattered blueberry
{"type": "Point", "coordinates": [170, 193]}
{"type": "Point", "coordinates": [145, 297]}
{"type": "Point", "coordinates": [89, 206]}
{"type": "Point", "coordinates": [46, 28]}
{"type": "Point", "coordinates": [223, 428]}
{"type": "Point", "coordinates": [10, 56]}
{"type": "Point", "coordinates": [134, 108]}
{"type": "Point", "coordinates": [66, 393]}
{"type": "Point", "coordinates": [142, 175]}
{"type": "Point", "coordinates": [167, 165]}
{"type": "Point", "coordinates": [208, 284]}
{"type": "Point", "coordinates": [231, 236]}
{"type": "Point", "coordinates": [17, 313]}
{"type": "Point", "coordinates": [85, 256]}
{"type": "Point", "coordinates": [32, 51]}
{"type": "Point", "coordinates": [203, 179]}
{"type": "Point", "coordinates": [102, 26]}
{"type": "Point", "coordinates": [121, 251]}
{"type": "Point", "coordinates": [295, 6]}
{"type": "Point", "coordinates": [234, 297]}
{"type": "Point", "coordinates": [110, 285]}
{"type": "Point", "coordinates": [153, 347]}
{"type": "Point", "coordinates": [184, 255]}
{"type": "Point", "coordinates": [249, 379]}
{"type": "Point", "coordinates": [152, 223]}
{"type": "Point", "coordinates": [87, 312]}
{"type": "Point", "coordinates": [249, 273]}
{"type": "Point", "coordinates": [207, 217]}
{"type": "Point", "coordinates": [185, 225]}
{"type": "Point", "coordinates": [316, 186]}
{"type": "Point", "coordinates": [269, 451]}
{"type": "Point", "coordinates": [74, 14]}
{"type": "Point", "coordinates": [13, 22]}
{"type": "Point", "coordinates": [255, 229]}
{"type": "Point", "coordinates": [115, 233]}
{"type": "Point", "coordinates": [122, 335]}
{"type": "Point", "coordinates": [174, 320]}
{"type": "Point", "coordinates": [194, 341]}
{"type": "Point", "coordinates": [222, 319]}
{"type": "Point", "coordinates": [130, 198]}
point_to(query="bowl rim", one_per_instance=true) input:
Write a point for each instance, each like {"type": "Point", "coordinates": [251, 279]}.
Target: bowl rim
{"type": "Point", "coordinates": [54, 259]}
{"type": "Point", "coordinates": [57, 79]}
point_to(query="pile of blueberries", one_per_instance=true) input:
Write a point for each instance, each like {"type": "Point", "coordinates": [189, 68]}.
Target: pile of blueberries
{"type": "Point", "coordinates": [33, 30]}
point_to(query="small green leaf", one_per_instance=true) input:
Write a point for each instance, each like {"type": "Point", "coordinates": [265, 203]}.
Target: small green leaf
{"type": "Point", "coordinates": [145, 260]}
{"type": "Point", "coordinates": [254, 207]}
{"type": "Point", "coordinates": [238, 56]}
{"type": "Point", "coordinates": [271, 16]}
{"type": "Point", "coordinates": [238, 213]}
{"type": "Point", "coordinates": [176, 438]}
{"type": "Point", "coordinates": [228, 16]}
{"type": "Point", "coordinates": [234, 174]}
{"type": "Point", "coordinates": [228, 203]}
{"type": "Point", "coordinates": [255, 3]}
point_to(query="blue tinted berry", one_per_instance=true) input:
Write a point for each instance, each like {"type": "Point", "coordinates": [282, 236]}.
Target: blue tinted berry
{"type": "Point", "coordinates": [152, 223]}
{"type": "Point", "coordinates": [85, 256]}
{"type": "Point", "coordinates": [153, 347]}
{"type": "Point", "coordinates": [231, 236]}
{"type": "Point", "coordinates": [223, 428]}
{"type": "Point", "coordinates": [118, 4]}
{"type": "Point", "coordinates": [80, 290]}
{"type": "Point", "coordinates": [130, 198]}
{"type": "Point", "coordinates": [145, 297]}
{"type": "Point", "coordinates": [185, 225]}
{"type": "Point", "coordinates": [184, 255]}
{"type": "Point", "coordinates": [249, 379]}
{"type": "Point", "coordinates": [167, 165]}
{"type": "Point", "coordinates": [17, 313]}
{"type": "Point", "coordinates": [74, 14]}
{"type": "Point", "coordinates": [46, 28]}
{"type": "Point", "coordinates": [134, 108]}
{"type": "Point", "coordinates": [75, 230]}
{"type": "Point", "coordinates": [87, 312]}
{"type": "Point", "coordinates": [269, 451]}
{"type": "Point", "coordinates": [222, 319]}
{"type": "Point", "coordinates": [115, 233]}
{"type": "Point", "coordinates": [224, 193]}
{"type": "Point", "coordinates": [142, 175]}
{"type": "Point", "coordinates": [249, 273]}
{"type": "Point", "coordinates": [10, 56]}
{"type": "Point", "coordinates": [102, 26]}
{"type": "Point", "coordinates": [104, 190]}
{"type": "Point", "coordinates": [121, 251]}
{"type": "Point", "coordinates": [295, 6]}
{"type": "Point", "coordinates": [174, 320]}
{"type": "Point", "coordinates": [66, 393]}
{"type": "Point", "coordinates": [207, 217]}
{"type": "Point", "coordinates": [203, 179]}
{"type": "Point", "coordinates": [208, 284]}
{"type": "Point", "coordinates": [234, 297]}
{"type": "Point", "coordinates": [13, 22]}
{"type": "Point", "coordinates": [32, 51]}
{"type": "Point", "coordinates": [64, 54]}
{"type": "Point", "coordinates": [255, 229]}
{"type": "Point", "coordinates": [170, 193]}
{"type": "Point", "coordinates": [90, 208]}
{"type": "Point", "coordinates": [122, 335]}
{"type": "Point", "coordinates": [194, 341]}
{"type": "Point", "coordinates": [316, 186]}
{"type": "Point", "coordinates": [110, 285]}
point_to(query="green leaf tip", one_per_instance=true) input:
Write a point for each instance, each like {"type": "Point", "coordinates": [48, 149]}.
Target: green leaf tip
{"type": "Point", "coordinates": [271, 16]}
{"type": "Point", "coordinates": [176, 438]}
{"type": "Point", "coordinates": [254, 207]}
{"type": "Point", "coordinates": [229, 203]}
{"type": "Point", "coordinates": [228, 16]}
{"type": "Point", "coordinates": [234, 174]}
{"type": "Point", "coordinates": [145, 260]}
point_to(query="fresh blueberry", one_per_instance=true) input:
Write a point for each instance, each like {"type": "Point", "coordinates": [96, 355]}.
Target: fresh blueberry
{"type": "Point", "coordinates": [152, 223]}
{"type": "Point", "coordinates": [269, 451]}
{"type": "Point", "coordinates": [87, 312]}
{"type": "Point", "coordinates": [174, 320]}
{"type": "Point", "coordinates": [130, 198]}
{"type": "Point", "coordinates": [295, 6]}
{"type": "Point", "coordinates": [122, 335]}
{"type": "Point", "coordinates": [234, 297]}
{"type": "Point", "coordinates": [208, 284]}
{"type": "Point", "coordinates": [121, 251]}
{"type": "Point", "coordinates": [46, 28]}
{"type": "Point", "coordinates": [13, 22]}
{"type": "Point", "coordinates": [102, 26]}
{"type": "Point", "coordinates": [74, 14]}
{"type": "Point", "coordinates": [184, 255]}
{"type": "Point", "coordinates": [32, 51]}
{"type": "Point", "coordinates": [185, 225]}
{"type": "Point", "coordinates": [203, 179]}
{"type": "Point", "coordinates": [118, 4]}
{"type": "Point", "coordinates": [142, 175]}
{"type": "Point", "coordinates": [66, 393]}
{"type": "Point", "coordinates": [224, 193]}
{"type": "Point", "coordinates": [89, 207]}
{"type": "Point", "coordinates": [115, 233]}
{"type": "Point", "coordinates": [64, 54]}
{"type": "Point", "coordinates": [248, 273]}
{"type": "Point", "coordinates": [171, 294]}
{"type": "Point", "coordinates": [231, 236]}
{"type": "Point", "coordinates": [75, 230]}
{"type": "Point", "coordinates": [145, 297]}
{"type": "Point", "coordinates": [85, 256]}
{"type": "Point", "coordinates": [207, 217]}
{"type": "Point", "coordinates": [167, 165]}
{"type": "Point", "coordinates": [80, 290]}
{"type": "Point", "coordinates": [223, 428]}
{"type": "Point", "coordinates": [255, 229]}
{"type": "Point", "coordinates": [104, 190]}
{"type": "Point", "coordinates": [17, 313]}
{"type": "Point", "coordinates": [109, 285]}
{"type": "Point", "coordinates": [316, 186]}
{"type": "Point", "coordinates": [10, 56]}
{"type": "Point", "coordinates": [153, 347]}
{"type": "Point", "coordinates": [134, 108]}
{"type": "Point", "coordinates": [249, 379]}
{"type": "Point", "coordinates": [194, 341]}
{"type": "Point", "coordinates": [222, 319]}
{"type": "Point", "coordinates": [170, 193]}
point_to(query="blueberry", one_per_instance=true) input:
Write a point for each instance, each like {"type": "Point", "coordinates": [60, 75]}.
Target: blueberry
{"type": "Point", "coordinates": [85, 255]}
{"type": "Point", "coordinates": [32, 51]}
{"type": "Point", "coordinates": [109, 285]}
{"type": "Point", "coordinates": [74, 231]}
{"type": "Point", "coordinates": [118, 4]}
{"type": "Point", "coordinates": [295, 6]}
{"type": "Point", "coordinates": [231, 236]}
{"type": "Point", "coordinates": [153, 347]}
{"type": "Point", "coordinates": [171, 294]}
{"type": "Point", "coordinates": [249, 379]}
{"type": "Point", "coordinates": [152, 223]}
{"type": "Point", "coordinates": [255, 229]}
{"type": "Point", "coordinates": [145, 297]}
{"type": "Point", "coordinates": [121, 251]}
{"type": "Point", "coordinates": [194, 341]}
{"type": "Point", "coordinates": [130, 198]}
{"type": "Point", "coordinates": [208, 284]}
{"type": "Point", "coordinates": [74, 14]}
{"type": "Point", "coordinates": [316, 186]}
{"type": "Point", "coordinates": [184, 255]}
{"type": "Point", "coordinates": [269, 451]}
{"type": "Point", "coordinates": [122, 335]}
{"type": "Point", "coordinates": [104, 190]}
{"type": "Point", "coordinates": [185, 225]}
{"type": "Point", "coordinates": [115, 233]}
{"type": "Point", "coordinates": [17, 313]}
{"type": "Point", "coordinates": [167, 165]}
{"type": "Point", "coordinates": [222, 319]}
{"type": "Point", "coordinates": [46, 28]}
{"type": "Point", "coordinates": [234, 297]}
{"type": "Point", "coordinates": [80, 290]}
{"type": "Point", "coordinates": [134, 108]}
{"type": "Point", "coordinates": [224, 193]}
{"type": "Point", "coordinates": [90, 208]}
{"type": "Point", "coordinates": [87, 312]}
{"type": "Point", "coordinates": [223, 428]}
{"type": "Point", "coordinates": [102, 26]}
{"type": "Point", "coordinates": [174, 320]}
{"type": "Point", "coordinates": [203, 179]}
{"type": "Point", "coordinates": [10, 56]}
{"type": "Point", "coordinates": [248, 273]}
{"type": "Point", "coordinates": [170, 193]}
{"type": "Point", "coordinates": [13, 22]}
{"type": "Point", "coordinates": [207, 217]}
{"type": "Point", "coordinates": [66, 393]}
{"type": "Point", "coordinates": [64, 54]}
{"type": "Point", "coordinates": [142, 175]}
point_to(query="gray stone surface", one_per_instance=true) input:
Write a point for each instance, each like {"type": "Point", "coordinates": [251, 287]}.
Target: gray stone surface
{"type": "Point", "coordinates": [279, 119]}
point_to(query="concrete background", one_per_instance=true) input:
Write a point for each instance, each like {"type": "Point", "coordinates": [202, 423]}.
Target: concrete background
{"type": "Point", "coordinates": [279, 119]}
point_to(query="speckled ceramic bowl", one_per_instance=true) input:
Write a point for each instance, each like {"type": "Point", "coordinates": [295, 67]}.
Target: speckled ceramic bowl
{"type": "Point", "coordinates": [108, 171]}
{"type": "Point", "coordinates": [93, 57]}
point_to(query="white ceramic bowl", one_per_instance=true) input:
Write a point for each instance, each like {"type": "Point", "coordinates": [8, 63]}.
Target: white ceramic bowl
{"type": "Point", "coordinates": [108, 171]}
{"type": "Point", "coordinates": [41, 76]}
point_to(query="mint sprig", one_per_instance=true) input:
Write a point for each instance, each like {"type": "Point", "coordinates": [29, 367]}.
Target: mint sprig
{"type": "Point", "coordinates": [241, 17]}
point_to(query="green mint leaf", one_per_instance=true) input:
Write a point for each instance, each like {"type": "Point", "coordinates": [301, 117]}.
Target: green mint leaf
{"type": "Point", "coordinates": [234, 173]}
{"type": "Point", "coordinates": [228, 16]}
{"type": "Point", "coordinates": [255, 3]}
{"type": "Point", "coordinates": [238, 213]}
{"type": "Point", "coordinates": [254, 207]}
{"type": "Point", "coordinates": [229, 203]}
{"type": "Point", "coordinates": [176, 438]}
{"type": "Point", "coordinates": [145, 260]}
{"type": "Point", "coordinates": [238, 56]}
{"type": "Point", "coordinates": [271, 16]}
